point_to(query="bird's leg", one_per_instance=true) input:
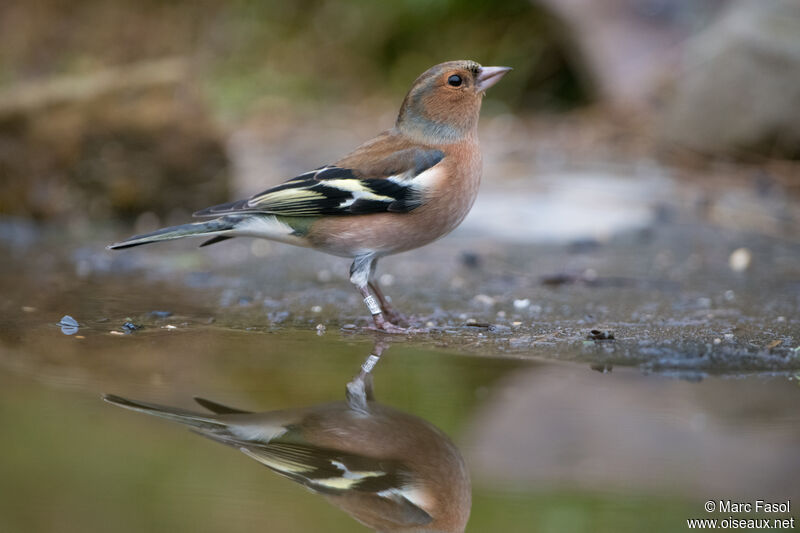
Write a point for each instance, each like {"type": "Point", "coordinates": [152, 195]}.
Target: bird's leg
{"type": "Point", "coordinates": [389, 312]}
{"type": "Point", "coordinates": [359, 276]}
{"type": "Point", "coordinates": [360, 389]}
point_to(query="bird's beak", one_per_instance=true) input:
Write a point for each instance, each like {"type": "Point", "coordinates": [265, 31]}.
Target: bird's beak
{"type": "Point", "coordinates": [488, 76]}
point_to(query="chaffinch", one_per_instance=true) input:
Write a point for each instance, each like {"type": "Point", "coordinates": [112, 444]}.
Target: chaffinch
{"type": "Point", "coordinates": [389, 470]}
{"type": "Point", "coordinates": [409, 186]}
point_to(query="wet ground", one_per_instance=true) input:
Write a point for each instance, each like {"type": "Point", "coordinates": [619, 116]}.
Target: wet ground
{"type": "Point", "coordinates": [609, 348]}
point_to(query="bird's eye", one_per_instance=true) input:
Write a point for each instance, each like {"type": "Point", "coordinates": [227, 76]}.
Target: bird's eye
{"type": "Point", "coordinates": [454, 80]}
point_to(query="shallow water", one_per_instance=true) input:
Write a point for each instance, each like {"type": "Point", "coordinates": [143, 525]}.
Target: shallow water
{"type": "Point", "coordinates": [552, 444]}
{"type": "Point", "coordinates": [695, 398]}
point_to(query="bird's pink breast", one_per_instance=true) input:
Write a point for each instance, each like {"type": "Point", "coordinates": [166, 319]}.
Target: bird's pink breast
{"type": "Point", "coordinates": [449, 197]}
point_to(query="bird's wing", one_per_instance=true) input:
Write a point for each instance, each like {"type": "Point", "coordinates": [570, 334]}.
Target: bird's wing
{"type": "Point", "coordinates": [373, 182]}
{"type": "Point", "coordinates": [386, 482]}
{"type": "Point", "coordinates": [323, 470]}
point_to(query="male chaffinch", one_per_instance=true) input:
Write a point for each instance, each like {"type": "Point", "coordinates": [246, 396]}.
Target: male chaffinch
{"type": "Point", "coordinates": [409, 186]}
{"type": "Point", "coordinates": [389, 470]}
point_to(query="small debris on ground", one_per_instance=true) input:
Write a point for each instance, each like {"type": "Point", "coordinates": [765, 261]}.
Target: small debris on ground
{"type": "Point", "coordinates": [600, 335]}
{"type": "Point", "coordinates": [470, 260]}
{"type": "Point", "coordinates": [69, 326]}
{"type": "Point", "coordinates": [129, 327]}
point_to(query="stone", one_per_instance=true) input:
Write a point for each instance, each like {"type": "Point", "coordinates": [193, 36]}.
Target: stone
{"type": "Point", "coordinates": [738, 91]}
{"type": "Point", "coordinates": [115, 143]}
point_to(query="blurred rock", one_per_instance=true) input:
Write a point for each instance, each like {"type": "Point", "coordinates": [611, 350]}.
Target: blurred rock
{"type": "Point", "coordinates": [114, 143]}
{"type": "Point", "coordinates": [631, 47]}
{"type": "Point", "coordinates": [739, 91]}
{"type": "Point", "coordinates": [553, 424]}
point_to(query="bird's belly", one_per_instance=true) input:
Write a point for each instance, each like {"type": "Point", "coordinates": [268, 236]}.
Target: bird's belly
{"type": "Point", "coordinates": [386, 233]}
{"type": "Point", "coordinates": [448, 200]}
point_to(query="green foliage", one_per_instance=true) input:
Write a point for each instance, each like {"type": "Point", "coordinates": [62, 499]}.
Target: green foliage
{"type": "Point", "coordinates": [310, 49]}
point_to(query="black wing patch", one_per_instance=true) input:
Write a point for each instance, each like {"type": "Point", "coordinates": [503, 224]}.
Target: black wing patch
{"type": "Point", "coordinates": [333, 190]}
{"type": "Point", "coordinates": [322, 470]}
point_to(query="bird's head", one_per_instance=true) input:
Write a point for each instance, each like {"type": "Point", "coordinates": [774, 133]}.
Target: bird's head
{"type": "Point", "coordinates": [444, 102]}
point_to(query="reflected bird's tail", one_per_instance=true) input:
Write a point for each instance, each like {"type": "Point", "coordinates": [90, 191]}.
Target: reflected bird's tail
{"type": "Point", "coordinates": [183, 416]}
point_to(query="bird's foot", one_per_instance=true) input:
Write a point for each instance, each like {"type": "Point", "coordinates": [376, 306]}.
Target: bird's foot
{"type": "Point", "coordinates": [396, 317]}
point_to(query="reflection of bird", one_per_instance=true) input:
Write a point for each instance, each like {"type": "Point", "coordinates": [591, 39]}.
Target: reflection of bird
{"type": "Point", "coordinates": [406, 187]}
{"type": "Point", "coordinates": [390, 470]}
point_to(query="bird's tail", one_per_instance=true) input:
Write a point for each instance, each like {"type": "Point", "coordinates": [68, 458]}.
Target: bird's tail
{"type": "Point", "coordinates": [216, 228]}
{"type": "Point", "coordinates": [199, 421]}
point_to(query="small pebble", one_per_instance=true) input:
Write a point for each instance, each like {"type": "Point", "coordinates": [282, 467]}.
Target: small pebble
{"type": "Point", "coordinates": [430, 324]}
{"type": "Point", "coordinates": [501, 314]}
{"type": "Point", "coordinates": [316, 309]}
{"type": "Point", "coordinates": [740, 260]}
{"type": "Point", "coordinates": [717, 341]}
{"type": "Point", "coordinates": [115, 332]}
{"type": "Point", "coordinates": [484, 299]}
{"type": "Point", "coordinates": [522, 304]}
{"type": "Point", "coordinates": [730, 296]}
{"type": "Point", "coordinates": [321, 329]}
{"type": "Point", "coordinates": [169, 326]}
{"type": "Point", "coordinates": [67, 320]}
{"type": "Point", "coordinates": [69, 326]}
{"type": "Point", "coordinates": [781, 319]}
{"type": "Point", "coordinates": [28, 309]}
{"type": "Point", "coordinates": [728, 337]}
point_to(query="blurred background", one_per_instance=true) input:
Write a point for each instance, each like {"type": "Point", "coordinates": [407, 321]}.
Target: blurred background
{"type": "Point", "coordinates": [113, 109]}
{"type": "Point", "coordinates": [616, 324]}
